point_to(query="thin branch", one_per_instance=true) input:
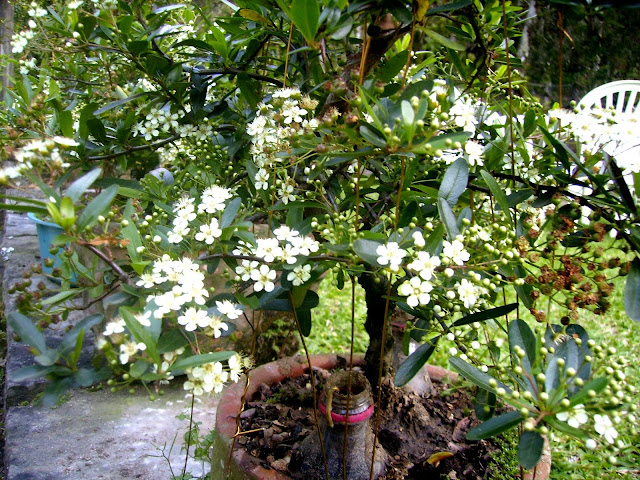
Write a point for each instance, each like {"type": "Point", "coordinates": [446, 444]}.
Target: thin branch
{"type": "Point", "coordinates": [114, 266]}
{"type": "Point", "coordinates": [233, 71]}
{"type": "Point", "coordinates": [137, 148]}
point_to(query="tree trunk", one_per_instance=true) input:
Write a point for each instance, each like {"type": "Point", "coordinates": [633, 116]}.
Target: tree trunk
{"type": "Point", "coordinates": [376, 325]}
{"type": "Point", "coordinates": [6, 32]}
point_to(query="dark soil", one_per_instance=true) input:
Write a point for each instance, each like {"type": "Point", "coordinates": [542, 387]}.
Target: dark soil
{"type": "Point", "coordinates": [412, 429]}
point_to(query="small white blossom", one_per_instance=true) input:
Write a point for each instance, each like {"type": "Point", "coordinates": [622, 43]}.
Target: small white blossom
{"type": "Point", "coordinates": [455, 252]}
{"type": "Point", "coordinates": [299, 275]}
{"type": "Point", "coordinates": [228, 309]}
{"type": "Point", "coordinates": [264, 278]}
{"type": "Point", "coordinates": [390, 254]}
{"type": "Point", "coordinates": [578, 416]}
{"type": "Point", "coordinates": [416, 291]}
{"type": "Point", "coordinates": [605, 428]}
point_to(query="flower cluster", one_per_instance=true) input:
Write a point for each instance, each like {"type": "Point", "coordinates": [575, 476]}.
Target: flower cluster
{"type": "Point", "coordinates": [285, 117]}
{"type": "Point", "coordinates": [288, 247]}
{"type": "Point", "coordinates": [39, 155]}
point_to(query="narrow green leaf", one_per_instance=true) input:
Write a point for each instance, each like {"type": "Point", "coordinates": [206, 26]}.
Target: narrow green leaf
{"type": "Point", "coordinates": [130, 232]}
{"type": "Point", "coordinates": [441, 39]}
{"type": "Point", "coordinates": [373, 137]}
{"type": "Point", "coordinates": [96, 207]}
{"type": "Point", "coordinates": [486, 315]}
{"type": "Point", "coordinates": [476, 376]}
{"type": "Point", "coordinates": [141, 334]}
{"type": "Point", "coordinates": [597, 385]}
{"type": "Point", "coordinates": [498, 194]}
{"type": "Point", "coordinates": [230, 212]}
{"type": "Point", "coordinates": [448, 219]}
{"type": "Point", "coordinates": [495, 426]}
{"type": "Point", "coordinates": [60, 297]}
{"type": "Point", "coordinates": [414, 362]}
{"type": "Point", "coordinates": [197, 360]}
{"type": "Point", "coordinates": [530, 449]}
{"type": "Point", "coordinates": [564, 427]}
{"type": "Point", "coordinates": [39, 211]}
{"type": "Point", "coordinates": [27, 331]}
{"type": "Point", "coordinates": [32, 371]}
{"type": "Point", "coordinates": [521, 335]}
{"type": "Point", "coordinates": [454, 182]}
{"type": "Point", "coordinates": [632, 292]}
{"type": "Point", "coordinates": [69, 340]}
{"type": "Point", "coordinates": [118, 103]}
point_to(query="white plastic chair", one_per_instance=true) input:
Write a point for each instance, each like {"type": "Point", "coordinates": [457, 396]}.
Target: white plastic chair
{"type": "Point", "coordinates": [623, 95]}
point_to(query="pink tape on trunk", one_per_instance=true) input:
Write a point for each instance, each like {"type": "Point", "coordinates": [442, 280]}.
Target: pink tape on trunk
{"type": "Point", "coordinates": [353, 418]}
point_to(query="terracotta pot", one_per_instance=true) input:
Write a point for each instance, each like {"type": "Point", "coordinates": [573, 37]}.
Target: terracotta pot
{"type": "Point", "coordinates": [245, 467]}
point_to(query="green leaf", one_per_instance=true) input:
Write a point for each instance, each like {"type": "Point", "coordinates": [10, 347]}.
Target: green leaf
{"type": "Point", "coordinates": [454, 182]}
{"type": "Point", "coordinates": [632, 292]}
{"type": "Point", "coordinates": [408, 115]}
{"type": "Point", "coordinates": [530, 449]}
{"type": "Point", "coordinates": [304, 319]}
{"type": "Point", "coordinates": [69, 340]}
{"type": "Point", "coordinates": [372, 136]}
{"type": "Point", "coordinates": [141, 334]}
{"type": "Point", "coordinates": [130, 232]}
{"type": "Point", "coordinates": [366, 250]}
{"type": "Point", "coordinates": [230, 212]}
{"type": "Point", "coordinates": [393, 66]}
{"type": "Point", "coordinates": [65, 120]}
{"type": "Point", "coordinates": [448, 219]}
{"type": "Point", "coordinates": [81, 185]}
{"type": "Point", "coordinates": [474, 375]}
{"type": "Point", "coordinates": [197, 360]}
{"type": "Point", "coordinates": [96, 128]}
{"type": "Point", "coordinates": [250, 89]}
{"type": "Point", "coordinates": [118, 103]}
{"type": "Point", "coordinates": [138, 368]}
{"type": "Point", "coordinates": [60, 297]}
{"type": "Point", "coordinates": [597, 385]}
{"type": "Point", "coordinates": [27, 331]}
{"type": "Point", "coordinates": [564, 427]}
{"type": "Point", "coordinates": [305, 14]}
{"type": "Point", "coordinates": [486, 315]}
{"type": "Point", "coordinates": [498, 194]}
{"type": "Point", "coordinates": [521, 335]}
{"type": "Point", "coordinates": [414, 362]}
{"type": "Point", "coordinates": [96, 207]}
{"type": "Point", "coordinates": [441, 39]}
{"type": "Point", "coordinates": [173, 339]}
{"type": "Point", "coordinates": [495, 426]}
{"type": "Point", "coordinates": [32, 371]}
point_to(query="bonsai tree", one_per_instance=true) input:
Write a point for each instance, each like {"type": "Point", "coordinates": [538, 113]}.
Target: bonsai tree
{"type": "Point", "coordinates": [392, 143]}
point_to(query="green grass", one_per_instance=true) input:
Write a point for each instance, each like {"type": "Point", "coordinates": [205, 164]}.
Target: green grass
{"type": "Point", "coordinates": [332, 332]}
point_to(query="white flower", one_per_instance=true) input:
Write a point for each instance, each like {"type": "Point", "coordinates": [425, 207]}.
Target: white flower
{"type": "Point", "coordinates": [305, 245]}
{"type": "Point", "coordinates": [235, 367]}
{"type": "Point", "coordinates": [416, 291]}
{"type": "Point", "coordinates": [208, 233]}
{"type": "Point", "coordinates": [262, 179]}
{"type": "Point", "coordinates": [605, 428]}
{"type": "Point", "coordinates": [147, 280]}
{"type": "Point", "coordinates": [245, 268]}
{"type": "Point", "coordinates": [474, 153]}
{"type": "Point", "coordinates": [390, 254]}
{"type": "Point", "coordinates": [418, 239]}
{"type": "Point", "coordinates": [578, 416]}
{"type": "Point", "coordinates": [590, 444]}
{"type": "Point", "coordinates": [193, 318]}
{"type": "Point", "coordinates": [285, 233]}
{"type": "Point", "coordinates": [299, 275]}
{"type": "Point", "coordinates": [263, 277]}
{"type": "Point", "coordinates": [213, 199]}
{"type": "Point", "coordinates": [129, 349]}
{"type": "Point", "coordinates": [425, 265]}
{"type": "Point", "coordinates": [215, 326]}
{"type": "Point", "coordinates": [144, 318]}
{"type": "Point", "coordinates": [228, 309]}
{"type": "Point", "coordinates": [455, 252]}
{"type": "Point", "coordinates": [116, 326]}
{"type": "Point", "coordinates": [468, 293]}
{"type": "Point", "coordinates": [268, 249]}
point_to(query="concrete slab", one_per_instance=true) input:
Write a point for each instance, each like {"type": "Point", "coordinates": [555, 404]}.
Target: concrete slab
{"type": "Point", "coordinates": [92, 434]}
{"type": "Point", "coordinates": [103, 435]}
